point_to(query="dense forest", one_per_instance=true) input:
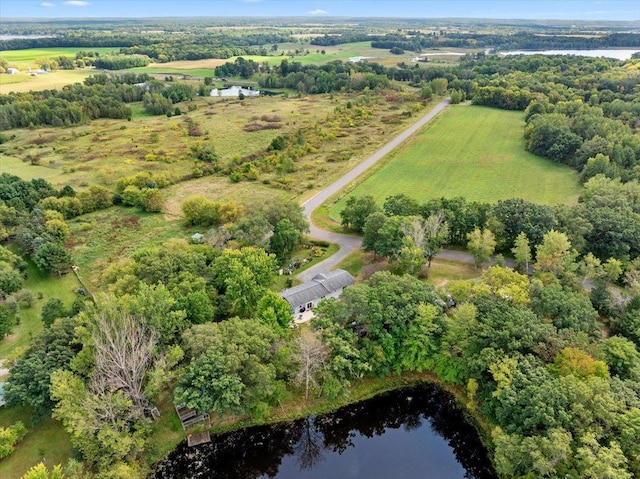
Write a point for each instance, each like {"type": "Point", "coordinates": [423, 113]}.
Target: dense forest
{"type": "Point", "coordinates": [545, 352]}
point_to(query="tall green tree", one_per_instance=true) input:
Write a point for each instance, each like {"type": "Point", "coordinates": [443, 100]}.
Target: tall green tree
{"type": "Point", "coordinates": [357, 210]}
{"type": "Point", "coordinates": [240, 365]}
{"type": "Point", "coordinates": [522, 252]}
{"type": "Point", "coordinates": [555, 254]}
{"type": "Point", "coordinates": [53, 258]}
{"type": "Point", "coordinates": [481, 245]}
{"type": "Point", "coordinates": [30, 380]}
{"type": "Point", "coordinates": [243, 276]}
{"type": "Point", "coordinates": [285, 239]}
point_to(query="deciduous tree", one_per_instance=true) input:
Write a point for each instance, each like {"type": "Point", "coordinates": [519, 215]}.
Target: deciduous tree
{"type": "Point", "coordinates": [481, 245]}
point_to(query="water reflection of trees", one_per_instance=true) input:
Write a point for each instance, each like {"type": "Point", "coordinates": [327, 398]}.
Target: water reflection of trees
{"type": "Point", "coordinates": [255, 452]}
{"type": "Point", "coordinates": [309, 447]}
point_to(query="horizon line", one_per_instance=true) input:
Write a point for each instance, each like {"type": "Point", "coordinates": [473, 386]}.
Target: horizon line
{"type": "Point", "coordinates": [309, 16]}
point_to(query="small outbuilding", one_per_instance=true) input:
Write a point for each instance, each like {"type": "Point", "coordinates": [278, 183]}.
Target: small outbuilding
{"type": "Point", "coordinates": [306, 296]}
{"type": "Point", "coordinates": [12, 71]}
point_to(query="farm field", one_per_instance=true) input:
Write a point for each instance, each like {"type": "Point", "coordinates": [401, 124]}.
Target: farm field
{"type": "Point", "coordinates": [23, 82]}
{"type": "Point", "coordinates": [474, 152]}
{"type": "Point", "coordinates": [332, 53]}
{"type": "Point", "coordinates": [360, 49]}
{"type": "Point", "coordinates": [26, 58]}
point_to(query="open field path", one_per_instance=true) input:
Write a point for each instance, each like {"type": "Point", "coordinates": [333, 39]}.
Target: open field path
{"type": "Point", "coordinates": [348, 244]}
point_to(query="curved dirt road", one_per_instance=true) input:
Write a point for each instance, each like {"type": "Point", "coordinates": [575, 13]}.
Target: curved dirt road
{"type": "Point", "coordinates": [347, 243]}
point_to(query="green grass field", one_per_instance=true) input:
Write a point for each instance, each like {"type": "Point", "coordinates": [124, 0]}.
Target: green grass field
{"type": "Point", "coordinates": [46, 441]}
{"type": "Point", "coordinates": [40, 284]}
{"type": "Point", "coordinates": [28, 56]}
{"type": "Point", "coordinates": [158, 69]}
{"type": "Point", "coordinates": [474, 152]}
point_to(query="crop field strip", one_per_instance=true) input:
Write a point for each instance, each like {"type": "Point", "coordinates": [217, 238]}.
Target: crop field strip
{"type": "Point", "coordinates": [474, 152]}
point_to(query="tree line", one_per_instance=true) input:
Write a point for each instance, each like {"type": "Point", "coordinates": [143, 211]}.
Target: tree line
{"type": "Point", "coordinates": [416, 41]}
{"type": "Point", "coordinates": [161, 47]}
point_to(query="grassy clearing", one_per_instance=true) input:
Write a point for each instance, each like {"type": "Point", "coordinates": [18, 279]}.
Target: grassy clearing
{"type": "Point", "coordinates": [45, 441]}
{"type": "Point", "coordinates": [217, 188]}
{"type": "Point", "coordinates": [442, 271]}
{"type": "Point", "coordinates": [107, 236]}
{"type": "Point", "coordinates": [320, 218]}
{"type": "Point", "coordinates": [167, 69]}
{"type": "Point", "coordinates": [355, 262]}
{"type": "Point", "coordinates": [44, 287]}
{"type": "Point", "coordinates": [474, 152]}
{"type": "Point", "coordinates": [27, 171]}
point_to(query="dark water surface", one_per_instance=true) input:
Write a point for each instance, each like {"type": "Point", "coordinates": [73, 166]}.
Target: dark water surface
{"type": "Point", "coordinates": [411, 433]}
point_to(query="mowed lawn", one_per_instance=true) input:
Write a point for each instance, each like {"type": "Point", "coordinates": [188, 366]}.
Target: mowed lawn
{"type": "Point", "coordinates": [470, 151]}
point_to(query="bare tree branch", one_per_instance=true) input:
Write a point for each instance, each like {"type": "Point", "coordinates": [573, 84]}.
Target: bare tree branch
{"type": "Point", "coordinates": [124, 353]}
{"type": "Point", "coordinates": [311, 354]}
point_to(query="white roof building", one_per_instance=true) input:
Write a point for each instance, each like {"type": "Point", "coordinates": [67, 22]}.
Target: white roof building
{"type": "Point", "coordinates": [12, 71]}
{"type": "Point", "coordinates": [306, 296]}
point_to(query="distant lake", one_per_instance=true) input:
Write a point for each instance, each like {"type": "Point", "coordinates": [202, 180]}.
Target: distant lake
{"type": "Point", "coordinates": [16, 37]}
{"type": "Point", "coordinates": [415, 433]}
{"type": "Point", "coordinates": [617, 54]}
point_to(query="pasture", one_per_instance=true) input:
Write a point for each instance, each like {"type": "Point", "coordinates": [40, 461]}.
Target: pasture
{"type": "Point", "coordinates": [470, 151]}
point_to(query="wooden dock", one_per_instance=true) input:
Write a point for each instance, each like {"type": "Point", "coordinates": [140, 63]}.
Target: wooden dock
{"type": "Point", "coordinates": [190, 417]}
{"type": "Point", "coordinates": [198, 438]}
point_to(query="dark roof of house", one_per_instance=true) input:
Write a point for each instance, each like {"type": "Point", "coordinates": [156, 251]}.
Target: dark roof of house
{"type": "Point", "coordinates": [321, 285]}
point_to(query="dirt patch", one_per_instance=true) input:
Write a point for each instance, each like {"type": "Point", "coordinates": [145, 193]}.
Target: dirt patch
{"type": "Point", "coordinates": [190, 64]}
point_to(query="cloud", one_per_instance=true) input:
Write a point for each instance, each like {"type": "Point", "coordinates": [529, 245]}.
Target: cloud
{"type": "Point", "coordinates": [318, 12]}
{"type": "Point", "coordinates": [47, 4]}
{"type": "Point", "coordinates": [77, 3]}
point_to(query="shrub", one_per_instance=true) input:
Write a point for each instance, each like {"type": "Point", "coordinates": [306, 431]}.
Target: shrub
{"type": "Point", "coordinates": [9, 437]}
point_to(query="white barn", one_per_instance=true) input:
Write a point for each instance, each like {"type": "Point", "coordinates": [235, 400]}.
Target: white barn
{"type": "Point", "coordinates": [234, 91]}
{"type": "Point", "coordinates": [12, 71]}
{"type": "Point", "coordinates": [307, 295]}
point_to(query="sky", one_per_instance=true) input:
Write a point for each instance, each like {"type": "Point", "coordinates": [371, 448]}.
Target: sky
{"type": "Point", "coordinates": [517, 9]}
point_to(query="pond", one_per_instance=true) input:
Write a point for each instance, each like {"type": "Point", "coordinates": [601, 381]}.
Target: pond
{"type": "Point", "coordinates": [410, 433]}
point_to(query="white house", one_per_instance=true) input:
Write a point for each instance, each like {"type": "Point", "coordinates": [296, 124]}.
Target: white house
{"type": "Point", "coordinates": [307, 295]}
{"type": "Point", "coordinates": [12, 71]}
{"type": "Point", "coordinates": [234, 91]}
